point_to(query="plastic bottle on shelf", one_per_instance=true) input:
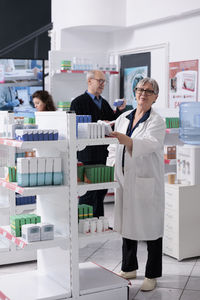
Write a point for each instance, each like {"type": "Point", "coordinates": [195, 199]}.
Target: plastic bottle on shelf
{"type": "Point", "coordinates": [74, 63]}
{"type": "Point", "coordinates": [189, 114]}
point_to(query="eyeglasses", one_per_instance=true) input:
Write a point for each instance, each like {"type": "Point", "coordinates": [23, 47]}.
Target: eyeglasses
{"type": "Point", "coordinates": [100, 81]}
{"type": "Point", "coordinates": [147, 92]}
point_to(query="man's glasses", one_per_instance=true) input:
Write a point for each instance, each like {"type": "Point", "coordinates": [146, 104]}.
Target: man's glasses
{"type": "Point", "coordinates": [100, 81]}
{"type": "Point", "coordinates": [147, 92]}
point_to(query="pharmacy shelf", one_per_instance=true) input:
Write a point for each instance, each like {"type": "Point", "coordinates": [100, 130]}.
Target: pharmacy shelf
{"type": "Point", "coordinates": [82, 143]}
{"type": "Point", "coordinates": [21, 243]}
{"type": "Point", "coordinates": [172, 130]}
{"type": "Point", "coordinates": [85, 239]}
{"type": "Point", "coordinates": [60, 144]}
{"type": "Point", "coordinates": [94, 279]}
{"type": "Point", "coordinates": [3, 246]}
{"type": "Point", "coordinates": [21, 208]}
{"type": "Point", "coordinates": [170, 162]}
{"type": "Point", "coordinates": [82, 187]}
{"type": "Point", "coordinates": [5, 232]}
{"type": "Point", "coordinates": [40, 285]}
{"type": "Point", "coordinates": [31, 191]}
{"type": "Point", "coordinates": [84, 71]}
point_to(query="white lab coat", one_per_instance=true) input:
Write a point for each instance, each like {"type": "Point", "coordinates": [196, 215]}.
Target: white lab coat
{"type": "Point", "coordinates": [139, 199]}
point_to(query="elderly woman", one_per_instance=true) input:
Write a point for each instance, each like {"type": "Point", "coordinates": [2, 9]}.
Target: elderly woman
{"type": "Point", "coordinates": [139, 170]}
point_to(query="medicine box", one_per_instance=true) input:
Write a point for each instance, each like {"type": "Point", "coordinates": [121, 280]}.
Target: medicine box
{"type": "Point", "coordinates": [118, 102]}
{"type": "Point", "coordinates": [57, 171]}
{"type": "Point", "coordinates": [23, 171]}
{"type": "Point", "coordinates": [48, 179]}
{"type": "Point", "coordinates": [46, 231]}
{"type": "Point", "coordinates": [33, 164]}
{"type": "Point", "coordinates": [40, 170]}
{"type": "Point", "coordinates": [31, 233]}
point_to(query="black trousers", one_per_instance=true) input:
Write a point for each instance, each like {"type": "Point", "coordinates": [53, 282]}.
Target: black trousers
{"type": "Point", "coordinates": [95, 199]}
{"type": "Point", "coordinates": [154, 259]}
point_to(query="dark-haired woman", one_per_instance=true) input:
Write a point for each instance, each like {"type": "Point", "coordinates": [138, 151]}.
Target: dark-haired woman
{"type": "Point", "coordinates": [43, 101]}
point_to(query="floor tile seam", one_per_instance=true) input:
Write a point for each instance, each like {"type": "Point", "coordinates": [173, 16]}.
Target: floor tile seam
{"type": "Point", "coordinates": [196, 262]}
{"type": "Point", "coordinates": [176, 264]}
{"type": "Point", "coordinates": [160, 288]}
{"type": "Point", "coordinates": [95, 251]}
{"type": "Point", "coordinates": [181, 294]}
{"type": "Point", "coordinates": [184, 288]}
{"type": "Point", "coordinates": [171, 288]}
{"type": "Point", "coordinates": [109, 247]}
{"type": "Point", "coordinates": [192, 290]}
{"type": "Point", "coordinates": [116, 266]}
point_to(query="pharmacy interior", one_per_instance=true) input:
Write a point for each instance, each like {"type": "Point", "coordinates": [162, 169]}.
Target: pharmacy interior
{"type": "Point", "coordinates": [40, 178]}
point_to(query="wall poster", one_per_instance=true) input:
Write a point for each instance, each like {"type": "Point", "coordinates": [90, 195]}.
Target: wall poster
{"type": "Point", "coordinates": [134, 67]}
{"type": "Point", "coordinates": [183, 78]}
{"type": "Point", "coordinates": [131, 77]}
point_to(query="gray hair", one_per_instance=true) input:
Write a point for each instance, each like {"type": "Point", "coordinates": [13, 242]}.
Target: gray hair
{"type": "Point", "coordinates": [90, 74]}
{"type": "Point", "coordinates": [152, 81]}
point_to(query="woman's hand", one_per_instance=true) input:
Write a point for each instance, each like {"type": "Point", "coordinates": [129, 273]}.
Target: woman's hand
{"type": "Point", "coordinates": [123, 139]}
{"type": "Point", "coordinates": [123, 106]}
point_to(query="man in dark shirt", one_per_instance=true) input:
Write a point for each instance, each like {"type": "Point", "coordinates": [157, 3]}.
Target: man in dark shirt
{"type": "Point", "coordinates": [92, 103]}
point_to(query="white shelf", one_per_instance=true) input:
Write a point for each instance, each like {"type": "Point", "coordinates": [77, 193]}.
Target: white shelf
{"type": "Point", "coordinates": [82, 143]}
{"type": "Point", "coordinates": [94, 279]}
{"type": "Point", "coordinates": [82, 187]}
{"type": "Point", "coordinates": [31, 191]}
{"type": "Point", "coordinates": [172, 130]}
{"type": "Point", "coordinates": [85, 239]}
{"type": "Point", "coordinates": [3, 246]}
{"type": "Point", "coordinates": [170, 161]}
{"type": "Point", "coordinates": [21, 243]}
{"type": "Point", "coordinates": [32, 286]}
{"type": "Point", "coordinates": [82, 72]}
{"type": "Point", "coordinates": [60, 144]}
{"type": "Point", "coordinates": [21, 208]}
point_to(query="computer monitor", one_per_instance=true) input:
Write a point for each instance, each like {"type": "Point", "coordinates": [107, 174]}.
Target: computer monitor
{"type": "Point", "coordinates": [19, 79]}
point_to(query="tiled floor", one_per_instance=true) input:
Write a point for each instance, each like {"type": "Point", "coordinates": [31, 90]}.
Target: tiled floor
{"type": "Point", "coordinates": [180, 281]}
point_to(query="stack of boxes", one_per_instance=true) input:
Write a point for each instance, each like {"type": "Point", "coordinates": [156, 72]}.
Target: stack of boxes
{"type": "Point", "coordinates": [85, 211]}
{"type": "Point", "coordinates": [82, 119]}
{"type": "Point", "coordinates": [65, 65]}
{"type": "Point", "coordinates": [17, 221]}
{"type": "Point", "coordinates": [39, 232]}
{"type": "Point", "coordinates": [172, 122]}
{"type": "Point", "coordinates": [24, 200]}
{"type": "Point", "coordinates": [24, 153]}
{"type": "Point", "coordinates": [64, 106]}
{"type": "Point", "coordinates": [95, 173]}
{"type": "Point", "coordinates": [86, 129]}
{"type": "Point", "coordinates": [11, 174]}
{"type": "Point", "coordinates": [39, 171]}
{"type": "Point", "coordinates": [36, 135]}
{"type": "Point", "coordinates": [169, 152]}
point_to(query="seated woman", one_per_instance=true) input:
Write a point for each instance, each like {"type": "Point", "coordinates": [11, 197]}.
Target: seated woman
{"type": "Point", "coordinates": [43, 101]}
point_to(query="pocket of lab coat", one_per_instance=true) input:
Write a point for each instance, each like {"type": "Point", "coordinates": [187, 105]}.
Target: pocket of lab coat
{"type": "Point", "coordinates": [144, 190]}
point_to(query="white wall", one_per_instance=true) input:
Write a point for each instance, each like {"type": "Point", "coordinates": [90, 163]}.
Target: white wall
{"type": "Point", "coordinates": [114, 26]}
{"type": "Point", "coordinates": [182, 35]}
{"type": "Point", "coordinates": [70, 13]}
{"type": "Point", "coordinates": [78, 40]}
{"type": "Point", "coordinates": [147, 11]}
{"type": "Point", "coordinates": [102, 15]}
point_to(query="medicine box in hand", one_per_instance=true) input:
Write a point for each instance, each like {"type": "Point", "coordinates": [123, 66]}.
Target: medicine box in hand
{"type": "Point", "coordinates": [118, 102]}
